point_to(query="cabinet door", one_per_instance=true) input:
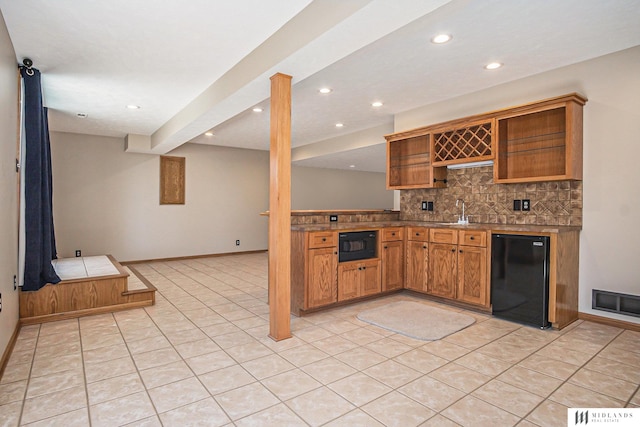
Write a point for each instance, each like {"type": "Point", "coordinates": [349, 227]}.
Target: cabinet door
{"type": "Point", "coordinates": [349, 280]}
{"type": "Point", "coordinates": [370, 277]}
{"type": "Point", "coordinates": [442, 270]}
{"type": "Point", "coordinates": [392, 265]}
{"type": "Point", "coordinates": [417, 265]}
{"type": "Point", "coordinates": [472, 275]}
{"type": "Point", "coordinates": [321, 279]}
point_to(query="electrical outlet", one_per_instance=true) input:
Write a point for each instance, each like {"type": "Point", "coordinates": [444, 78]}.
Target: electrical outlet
{"type": "Point", "coordinates": [517, 204]}
{"type": "Point", "coordinates": [78, 253]}
{"type": "Point", "coordinates": [333, 218]}
{"type": "Point", "coordinates": [430, 206]}
{"type": "Point", "coordinates": [237, 242]}
{"type": "Point", "coordinates": [526, 204]}
{"type": "Point", "coordinates": [425, 206]}
{"type": "Point", "coordinates": [0, 301]}
{"type": "Point", "coordinates": [15, 282]}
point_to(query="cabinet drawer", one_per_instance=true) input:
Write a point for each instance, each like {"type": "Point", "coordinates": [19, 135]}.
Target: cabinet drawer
{"type": "Point", "coordinates": [443, 235]}
{"type": "Point", "coordinates": [322, 239]}
{"type": "Point", "coordinates": [473, 238]}
{"type": "Point", "coordinates": [418, 233]}
{"type": "Point", "coordinates": [392, 233]}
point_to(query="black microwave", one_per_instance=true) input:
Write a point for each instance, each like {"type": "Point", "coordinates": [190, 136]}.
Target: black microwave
{"type": "Point", "coordinates": [357, 245]}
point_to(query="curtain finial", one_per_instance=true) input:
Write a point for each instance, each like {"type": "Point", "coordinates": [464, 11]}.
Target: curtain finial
{"type": "Point", "coordinates": [28, 63]}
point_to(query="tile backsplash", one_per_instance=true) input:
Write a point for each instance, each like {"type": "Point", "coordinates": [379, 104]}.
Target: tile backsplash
{"type": "Point", "coordinates": [552, 203]}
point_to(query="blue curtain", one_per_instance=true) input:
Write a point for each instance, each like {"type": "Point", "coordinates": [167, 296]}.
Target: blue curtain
{"type": "Point", "coordinates": [40, 242]}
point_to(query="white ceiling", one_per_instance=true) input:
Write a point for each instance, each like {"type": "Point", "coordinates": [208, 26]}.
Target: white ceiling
{"type": "Point", "coordinates": [198, 65]}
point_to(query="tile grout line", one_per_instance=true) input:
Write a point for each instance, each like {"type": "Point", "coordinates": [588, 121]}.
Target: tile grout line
{"type": "Point", "coordinates": [26, 389]}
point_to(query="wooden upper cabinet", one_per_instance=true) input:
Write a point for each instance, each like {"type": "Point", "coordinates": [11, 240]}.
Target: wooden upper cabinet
{"type": "Point", "coordinates": [467, 141]}
{"type": "Point", "coordinates": [540, 141]}
{"type": "Point", "coordinates": [409, 162]}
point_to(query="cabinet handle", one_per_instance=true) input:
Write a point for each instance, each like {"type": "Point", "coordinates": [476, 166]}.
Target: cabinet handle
{"type": "Point", "coordinates": [324, 239]}
{"type": "Point", "coordinates": [424, 247]}
{"type": "Point", "coordinates": [460, 250]}
{"type": "Point", "coordinates": [393, 234]}
{"type": "Point", "coordinates": [335, 253]}
{"type": "Point", "coordinates": [453, 250]}
{"type": "Point", "coordinates": [417, 234]}
{"type": "Point", "coordinates": [386, 247]}
{"type": "Point", "coordinates": [471, 237]}
{"type": "Point", "coordinates": [364, 268]}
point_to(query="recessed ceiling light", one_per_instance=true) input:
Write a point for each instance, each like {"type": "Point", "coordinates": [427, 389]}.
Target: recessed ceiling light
{"type": "Point", "coordinates": [133, 107]}
{"type": "Point", "coordinates": [441, 38]}
{"type": "Point", "coordinates": [493, 65]}
{"type": "Point", "coordinates": [82, 115]}
{"type": "Point", "coordinates": [208, 134]}
{"type": "Point", "coordinates": [339, 125]}
{"type": "Point", "coordinates": [376, 104]}
{"type": "Point", "coordinates": [325, 90]}
{"type": "Point", "coordinates": [352, 166]}
{"type": "Point", "coordinates": [257, 110]}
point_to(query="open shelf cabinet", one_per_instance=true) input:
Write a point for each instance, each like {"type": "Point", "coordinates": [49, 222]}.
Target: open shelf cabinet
{"type": "Point", "coordinates": [409, 164]}
{"type": "Point", "coordinates": [541, 143]}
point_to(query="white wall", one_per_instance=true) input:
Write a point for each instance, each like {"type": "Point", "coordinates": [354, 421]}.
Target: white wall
{"type": "Point", "coordinates": [107, 201]}
{"type": "Point", "coordinates": [8, 182]}
{"type": "Point", "coordinates": [316, 188]}
{"type": "Point", "coordinates": [610, 238]}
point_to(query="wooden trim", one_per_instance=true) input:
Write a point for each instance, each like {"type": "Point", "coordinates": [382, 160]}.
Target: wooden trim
{"type": "Point", "coordinates": [84, 312]}
{"type": "Point", "coordinates": [609, 322]}
{"type": "Point", "coordinates": [448, 301]}
{"type": "Point", "coordinates": [117, 265]}
{"type": "Point", "coordinates": [183, 258]}
{"type": "Point", "coordinates": [172, 180]}
{"type": "Point", "coordinates": [501, 113]}
{"type": "Point", "coordinates": [143, 279]}
{"type": "Point", "coordinates": [350, 301]}
{"type": "Point", "coordinates": [9, 349]}
{"type": "Point", "coordinates": [280, 209]}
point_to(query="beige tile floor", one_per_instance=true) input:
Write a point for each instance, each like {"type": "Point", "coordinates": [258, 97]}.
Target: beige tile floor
{"type": "Point", "coordinates": [201, 356]}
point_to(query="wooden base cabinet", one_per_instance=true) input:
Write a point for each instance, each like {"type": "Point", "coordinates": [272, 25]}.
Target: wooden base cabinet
{"type": "Point", "coordinates": [417, 272]}
{"type": "Point", "coordinates": [443, 270]}
{"type": "Point", "coordinates": [472, 275]}
{"type": "Point", "coordinates": [392, 257]}
{"type": "Point", "coordinates": [322, 286]}
{"type": "Point", "coordinates": [458, 265]}
{"type": "Point", "coordinates": [358, 279]}
{"type": "Point", "coordinates": [314, 266]}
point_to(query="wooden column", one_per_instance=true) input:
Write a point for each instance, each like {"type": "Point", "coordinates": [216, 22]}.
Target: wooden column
{"type": "Point", "coordinates": [280, 209]}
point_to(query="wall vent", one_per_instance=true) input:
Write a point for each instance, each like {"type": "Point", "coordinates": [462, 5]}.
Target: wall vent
{"type": "Point", "coordinates": [615, 302]}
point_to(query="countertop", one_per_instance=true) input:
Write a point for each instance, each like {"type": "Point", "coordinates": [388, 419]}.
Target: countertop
{"type": "Point", "coordinates": [336, 212]}
{"type": "Point", "coordinates": [472, 226]}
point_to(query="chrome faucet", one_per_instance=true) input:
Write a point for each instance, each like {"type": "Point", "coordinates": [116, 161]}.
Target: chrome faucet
{"type": "Point", "coordinates": [464, 220]}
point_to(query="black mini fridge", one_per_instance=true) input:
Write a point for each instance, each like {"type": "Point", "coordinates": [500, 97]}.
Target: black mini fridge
{"type": "Point", "coordinates": [520, 278]}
